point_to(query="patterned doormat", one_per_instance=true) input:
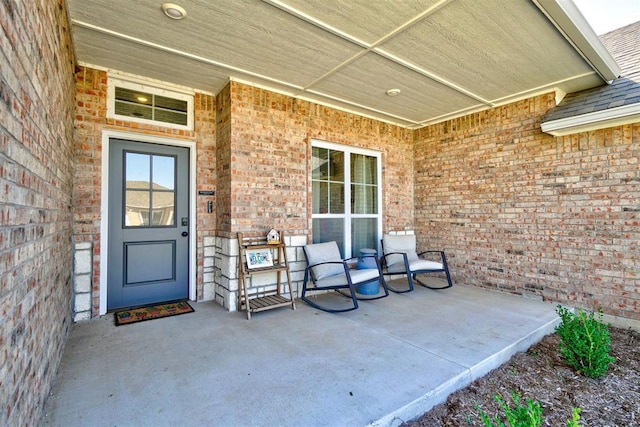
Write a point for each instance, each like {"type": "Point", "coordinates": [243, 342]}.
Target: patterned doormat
{"type": "Point", "coordinates": [133, 315]}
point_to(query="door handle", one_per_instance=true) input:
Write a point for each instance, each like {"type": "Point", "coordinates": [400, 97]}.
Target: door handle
{"type": "Point", "coordinates": [185, 233]}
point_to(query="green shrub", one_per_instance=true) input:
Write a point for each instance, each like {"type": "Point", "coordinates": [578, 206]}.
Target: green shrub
{"type": "Point", "coordinates": [529, 415]}
{"type": "Point", "coordinates": [575, 417]}
{"type": "Point", "coordinates": [585, 342]}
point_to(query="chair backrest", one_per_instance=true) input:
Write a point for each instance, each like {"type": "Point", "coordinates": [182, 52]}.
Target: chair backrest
{"type": "Point", "coordinates": [399, 243]}
{"type": "Point", "coordinates": [323, 252]}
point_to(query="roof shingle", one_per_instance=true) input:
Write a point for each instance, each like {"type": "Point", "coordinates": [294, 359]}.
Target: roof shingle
{"type": "Point", "coordinates": [624, 46]}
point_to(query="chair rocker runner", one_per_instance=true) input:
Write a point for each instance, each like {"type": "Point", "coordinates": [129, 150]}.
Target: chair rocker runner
{"type": "Point", "coordinates": [399, 257]}
{"type": "Point", "coordinates": [327, 271]}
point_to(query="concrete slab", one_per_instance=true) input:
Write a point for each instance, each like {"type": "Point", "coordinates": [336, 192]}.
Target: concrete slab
{"type": "Point", "coordinates": [387, 362]}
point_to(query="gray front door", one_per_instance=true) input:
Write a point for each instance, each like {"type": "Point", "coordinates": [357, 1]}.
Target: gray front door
{"type": "Point", "coordinates": [148, 224]}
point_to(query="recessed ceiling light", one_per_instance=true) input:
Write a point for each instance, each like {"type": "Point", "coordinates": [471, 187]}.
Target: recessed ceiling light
{"type": "Point", "coordinates": [173, 11]}
{"type": "Point", "coordinates": [142, 98]}
{"type": "Point", "coordinates": [393, 92]}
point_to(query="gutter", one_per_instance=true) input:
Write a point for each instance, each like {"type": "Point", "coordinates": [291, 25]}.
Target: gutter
{"type": "Point", "coordinates": [591, 121]}
{"type": "Point", "coordinates": [568, 19]}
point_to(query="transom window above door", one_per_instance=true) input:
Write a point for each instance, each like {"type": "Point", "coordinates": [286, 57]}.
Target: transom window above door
{"type": "Point", "coordinates": [138, 102]}
{"type": "Point", "coordinates": [346, 196]}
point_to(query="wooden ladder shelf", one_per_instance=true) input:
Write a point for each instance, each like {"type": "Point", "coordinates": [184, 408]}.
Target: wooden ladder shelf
{"type": "Point", "coordinates": [255, 301]}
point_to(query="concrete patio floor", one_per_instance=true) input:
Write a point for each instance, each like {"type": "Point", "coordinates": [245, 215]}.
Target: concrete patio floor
{"type": "Point", "coordinates": [387, 362]}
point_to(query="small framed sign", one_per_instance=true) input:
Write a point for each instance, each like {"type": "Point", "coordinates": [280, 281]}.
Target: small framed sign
{"type": "Point", "coordinates": [259, 258]}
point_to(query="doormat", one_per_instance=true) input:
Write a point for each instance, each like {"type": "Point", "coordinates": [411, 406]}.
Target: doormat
{"type": "Point", "coordinates": [133, 315]}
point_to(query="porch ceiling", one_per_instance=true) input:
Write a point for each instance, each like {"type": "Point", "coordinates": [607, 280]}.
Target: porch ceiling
{"type": "Point", "coordinates": [447, 57]}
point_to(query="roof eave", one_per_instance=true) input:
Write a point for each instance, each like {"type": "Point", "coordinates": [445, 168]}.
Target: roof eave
{"type": "Point", "coordinates": [592, 121]}
{"type": "Point", "coordinates": [568, 19]}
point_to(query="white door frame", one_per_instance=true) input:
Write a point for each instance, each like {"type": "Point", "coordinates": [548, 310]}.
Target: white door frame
{"type": "Point", "coordinates": [104, 205]}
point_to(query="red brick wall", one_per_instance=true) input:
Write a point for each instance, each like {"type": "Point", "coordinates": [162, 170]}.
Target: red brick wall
{"type": "Point", "coordinates": [91, 121]}
{"type": "Point", "coordinates": [522, 211]}
{"type": "Point", "coordinates": [205, 135]}
{"type": "Point", "coordinates": [91, 113]}
{"type": "Point", "coordinates": [270, 160]}
{"type": "Point", "coordinates": [223, 160]}
{"type": "Point", "coordinates": [36, 171]}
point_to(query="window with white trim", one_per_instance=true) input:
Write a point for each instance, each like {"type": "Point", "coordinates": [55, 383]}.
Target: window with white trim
{"type": "Point", "coordinates": [346, 192]}
{"type": "Point", "coordinates": [142, 103]}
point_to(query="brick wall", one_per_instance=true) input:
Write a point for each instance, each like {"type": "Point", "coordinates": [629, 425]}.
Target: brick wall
{"type": "Point", "coordinates": [524, 212]}
{"type": "Point", "coordinates": [516, 209]}
{"type": "Point", "coordinates": [253, 151]}
{"type": "Point", "coordinates": [271, 153]}
{"type": "Point", "coordinates": [223, 159]}
{"type": "Point", "coordinates": [264, 166]}
{"type": "Point", "coordinates": [36, 171]}
{"type": "Point", "coordinates": [91, 113]}
{"type": "Point", "coordinates": [205, 135]}
{"type": "Point", "coordinates": [91, 121]}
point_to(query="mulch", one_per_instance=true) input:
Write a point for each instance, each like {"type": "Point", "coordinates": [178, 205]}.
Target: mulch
{"type": "Point", "coordinates": [540, 374]}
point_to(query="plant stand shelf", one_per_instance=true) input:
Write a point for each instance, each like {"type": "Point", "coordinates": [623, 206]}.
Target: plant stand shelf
{"type": "Point", "coordinates": [256, 301]}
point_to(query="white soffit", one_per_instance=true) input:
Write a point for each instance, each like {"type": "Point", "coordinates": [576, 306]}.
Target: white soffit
{"type": "Point", "coordinates": [448, 57]}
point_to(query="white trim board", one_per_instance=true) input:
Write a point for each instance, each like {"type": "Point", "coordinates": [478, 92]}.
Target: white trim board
{"type": "Point", "coordinates": [592, 121]}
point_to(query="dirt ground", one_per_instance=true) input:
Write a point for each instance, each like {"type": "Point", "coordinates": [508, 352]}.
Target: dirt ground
{"type": "Point", "coordinates": [540, 374]}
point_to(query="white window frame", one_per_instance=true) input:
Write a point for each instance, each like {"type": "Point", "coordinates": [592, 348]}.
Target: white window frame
{"type": "Point", "coordinates": [348, 216]}
{"type": "Point", "coordinates": [113, 82]}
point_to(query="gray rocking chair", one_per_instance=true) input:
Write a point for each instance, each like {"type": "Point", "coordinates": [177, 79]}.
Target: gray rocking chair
{"type": "Point", "coordinates": [327, 271]}
{"type": "Point", "coordinates": [399, 257]}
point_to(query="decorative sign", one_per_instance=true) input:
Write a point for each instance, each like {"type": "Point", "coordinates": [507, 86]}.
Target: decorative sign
{"type": "Point", "coordinates": [206, 193]}
{"type": "Point", "coordinates": [259, 258]}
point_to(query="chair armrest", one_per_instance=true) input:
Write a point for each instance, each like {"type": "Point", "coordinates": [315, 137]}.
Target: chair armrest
{"type": "Point", "coordinates": [441, 253]}
{"type": "Point", "coordinates": [327, 262]}
{"type": "Point", "coordinates": [358, 257]}
{"type": "Point", "coordinates": [365, 256]}
{"type": "Point", "coordinates": [431, 252]}
{"type": "Point", "coordinates": [386, 254]}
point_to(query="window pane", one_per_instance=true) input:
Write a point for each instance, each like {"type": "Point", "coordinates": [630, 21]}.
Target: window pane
{"type": "Point", "coordinates": [133, 96]}
{"type": "Point", "coordinates": [364, 199]}
{"type": "Point", "coordinates": [176, 105]}
{"type": "Point", "coordinates": [336, 166]}
{"type": "Point", "coordinates": [164, 171]}
{"type": "Point", "coordinates": [162, 207]}
{"type": "Point", "coordinates": [364, 234]}
{"type": "Point", "coordinates": [320, 197]}
{"type": "Point", "coordinates": [144, 215]}
{"type": "Point", "coordinates": [134, 110]}
{"type": "Point", "coordinates": [144, 105]}
{"type": "Point", "coordinates": [320, 163]}
{"type": "Point", "coordinates": [363, 169]}
{"type": "Point", "coordinates": [133, 103]}
{"type": "Point", "coordinates": [176, 118]}
{"type": "Point", "coordinates": [147, 205]}
{"type": "Point", "coordinates": [136, 208]}
{"type": "Point", "coordinates": [137, 170]}
{"type": "Point", "coordinates": [336, 198]}
{"type": "Point", "coordinates": [329, 229]}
